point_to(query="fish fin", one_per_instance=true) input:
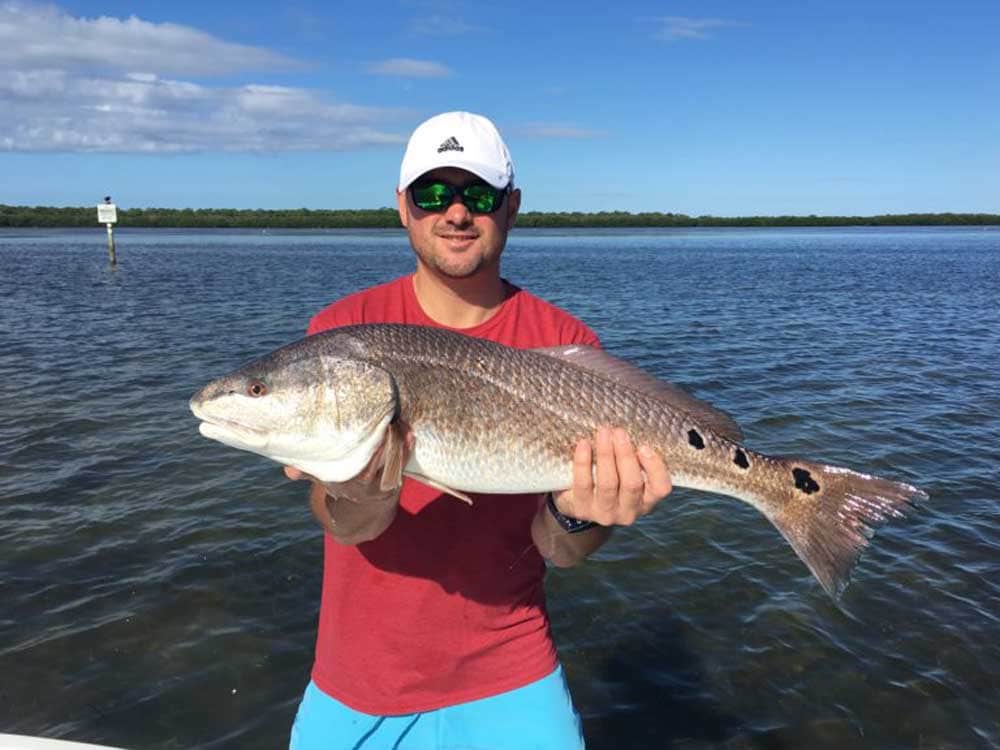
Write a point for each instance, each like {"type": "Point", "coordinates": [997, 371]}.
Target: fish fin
{"type": "Point", "coordinates": [392, 466]}
{"type": "Point", "coordinates": [607, 365]}
{"type": "Point", "coordinates": [441, 487]}
{"type": "Point", "coordinates": [833, 514]}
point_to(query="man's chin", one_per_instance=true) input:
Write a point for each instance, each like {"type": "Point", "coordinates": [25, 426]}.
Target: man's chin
{"type": "Point", "coordinates": [460, 273]}
{"type": "Point", "coordinates": [462, 267]}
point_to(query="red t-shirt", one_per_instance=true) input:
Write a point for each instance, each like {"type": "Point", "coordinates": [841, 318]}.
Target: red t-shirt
{"type": "Point", "coordinates": [446, 605]}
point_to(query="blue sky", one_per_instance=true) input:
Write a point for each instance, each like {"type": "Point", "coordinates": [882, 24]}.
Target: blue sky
{"type": "Point", "coordinates": [724, 108]}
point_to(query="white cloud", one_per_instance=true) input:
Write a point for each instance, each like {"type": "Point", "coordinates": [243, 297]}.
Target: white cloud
{"type": "Point", "coordinates": [105, 84]}
{"type": "Point", "coordinates": [682, 27]}
{"type": "Point", "coordinates": [46, 37]}
{"type": "Point", "coordinates": [409, 68]}
{"type": "Point", "coordinates": [167, 116]}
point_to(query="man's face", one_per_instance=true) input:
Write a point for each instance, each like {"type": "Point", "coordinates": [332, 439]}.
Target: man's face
{"type": "Point", "coordinates": [456, 242]}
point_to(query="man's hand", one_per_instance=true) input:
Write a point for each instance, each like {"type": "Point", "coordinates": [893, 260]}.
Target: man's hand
{"type": "Point", "coordinates": [613, 483]}
{"type": "Point", "coordinates": [359, 509]}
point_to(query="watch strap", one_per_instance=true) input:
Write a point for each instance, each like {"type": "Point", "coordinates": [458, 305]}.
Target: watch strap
{"type": "Point", "coordinates": [567, 523]}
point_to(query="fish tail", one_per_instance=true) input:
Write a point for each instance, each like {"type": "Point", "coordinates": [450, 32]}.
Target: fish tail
{"type": "Point", "coordinates": [833, 513]}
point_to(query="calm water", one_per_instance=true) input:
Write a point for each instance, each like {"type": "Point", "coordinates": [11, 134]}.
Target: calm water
{"type": "Point", "coordinates": [158, 590]}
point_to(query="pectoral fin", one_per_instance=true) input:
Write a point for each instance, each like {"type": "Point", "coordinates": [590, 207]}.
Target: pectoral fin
{"type": "Point", "coordinates": [438, 486]}
{"type": "Point", "coordinates": [393, 451]}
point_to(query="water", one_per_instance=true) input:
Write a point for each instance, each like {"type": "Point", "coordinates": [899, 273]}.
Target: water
{"type": "Point", "coordinates": [158, 590]}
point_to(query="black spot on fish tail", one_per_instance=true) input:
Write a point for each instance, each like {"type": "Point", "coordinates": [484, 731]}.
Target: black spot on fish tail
{"type": "Point", "coordinates": [804, 481]}
{"type": "Point", "coordinates": [740, 459]}
{"type": "Point", "coordinates": [829, 536]}
{"type": "Point", "coordinates": [695, 439]}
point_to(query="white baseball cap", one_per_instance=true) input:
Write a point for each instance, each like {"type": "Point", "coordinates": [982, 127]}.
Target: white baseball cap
{"type": "Point", "coordinates": [457, 139]}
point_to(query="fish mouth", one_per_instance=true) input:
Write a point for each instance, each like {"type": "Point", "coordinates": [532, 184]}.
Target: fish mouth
{"type": "Point", "coordinates": [233, 433]}
{"type": "Point", "coordinates": [228, 431]}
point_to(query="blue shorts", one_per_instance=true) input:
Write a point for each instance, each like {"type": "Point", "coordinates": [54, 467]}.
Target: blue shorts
{"type": "Point", "coordinates": [539, 715]}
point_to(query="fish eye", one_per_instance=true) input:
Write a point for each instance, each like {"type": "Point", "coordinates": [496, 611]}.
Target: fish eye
{"type": "Point", "coordinates": [256, 389]}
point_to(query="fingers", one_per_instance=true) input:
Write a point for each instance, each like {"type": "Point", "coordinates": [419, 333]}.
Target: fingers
{"type": "Point", "coordinates": [605, 476]}
{"type": "Point", "coordinates": [613, 483]}
{"type": "Point", "coordinates": [658, 484]}
{"type": "Point", "coordinates": [583, 482]}
{"type": "Point", "coordinates": [631, 483]}
{"type": "Point", "coordinates": [298, 475]}
{"type": "Point", "coordinates": [583, 469]}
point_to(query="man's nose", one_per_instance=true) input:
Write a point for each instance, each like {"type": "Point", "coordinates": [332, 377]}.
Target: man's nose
{"type": "Point", "coordinates": [458, 212]}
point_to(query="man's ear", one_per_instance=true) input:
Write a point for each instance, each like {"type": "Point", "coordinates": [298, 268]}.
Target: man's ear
{"type": "Point", "coordinates": [513, 206]}
{"type": "Point", "coordinates": [404, 209]}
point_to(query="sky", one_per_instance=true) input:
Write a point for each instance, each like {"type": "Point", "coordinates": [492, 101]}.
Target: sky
{"type": "Point", "coordinates": [722, 108]}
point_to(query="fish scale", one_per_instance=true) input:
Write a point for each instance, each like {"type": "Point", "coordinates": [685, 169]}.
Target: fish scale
{"type": "Point", "coordinates": [492, 419]}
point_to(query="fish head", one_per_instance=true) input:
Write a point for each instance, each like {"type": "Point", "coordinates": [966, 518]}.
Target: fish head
{"type": "Point", "coordinates": [323, 413]}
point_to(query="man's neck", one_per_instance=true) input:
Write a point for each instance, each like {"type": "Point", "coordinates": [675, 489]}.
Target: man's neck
{"type": "Point", "coordinates": [459, 303]}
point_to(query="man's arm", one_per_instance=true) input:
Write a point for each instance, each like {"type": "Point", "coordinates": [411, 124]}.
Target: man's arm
{"type": "Point", "coordinates": [613, 485]}
{"type": "Point", "coordinates": [350, 521]}
{"type": "Point", "coordinates": [357, 510]}
{"type": "Point", "coordinates": [560, 547]}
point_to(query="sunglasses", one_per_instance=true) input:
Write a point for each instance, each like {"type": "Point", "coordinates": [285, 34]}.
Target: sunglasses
{"type": "Point", "coordinates": [437, 195]}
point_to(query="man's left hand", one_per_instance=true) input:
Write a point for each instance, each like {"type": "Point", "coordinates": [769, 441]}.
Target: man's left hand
{"type": "Point", "coordinates": [613, 483]}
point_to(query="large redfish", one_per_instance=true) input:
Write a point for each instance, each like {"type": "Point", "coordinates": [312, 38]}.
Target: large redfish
{"type": "Point", "coordinates": [491, 419]}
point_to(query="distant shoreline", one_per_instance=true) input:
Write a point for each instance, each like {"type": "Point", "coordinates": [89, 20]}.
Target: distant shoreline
{"type": "Point", "coordinates": [387, 218]}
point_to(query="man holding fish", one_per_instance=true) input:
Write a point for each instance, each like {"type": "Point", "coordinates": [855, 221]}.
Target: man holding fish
{"type": "Point", "coordinates": [433, 631]}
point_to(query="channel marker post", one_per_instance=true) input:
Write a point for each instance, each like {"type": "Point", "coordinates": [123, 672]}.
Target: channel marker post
{"type": "Point", "coordinates": [107, 214]}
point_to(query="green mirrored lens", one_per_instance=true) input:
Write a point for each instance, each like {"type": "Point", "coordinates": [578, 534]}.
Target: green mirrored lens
{"type": "Point", "coordinates": [432, 196]}
{"type": "Point", "coordinates": [480, 198]}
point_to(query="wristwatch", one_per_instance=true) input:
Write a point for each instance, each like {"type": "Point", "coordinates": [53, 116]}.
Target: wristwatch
{"type": "Point", "coordinates": [568, 524]}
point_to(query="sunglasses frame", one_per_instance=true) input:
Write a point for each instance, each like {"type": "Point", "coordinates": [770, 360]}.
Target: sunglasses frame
{"type": "Point", "coordinates": [467, 201]}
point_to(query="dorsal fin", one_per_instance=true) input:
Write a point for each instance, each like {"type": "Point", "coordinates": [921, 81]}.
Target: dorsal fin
{"type": "Point", "coordinates": [608, 366]}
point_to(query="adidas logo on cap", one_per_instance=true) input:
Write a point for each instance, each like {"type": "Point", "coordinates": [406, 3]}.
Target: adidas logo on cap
{"type": "Point", "coordinates": [451, 144]}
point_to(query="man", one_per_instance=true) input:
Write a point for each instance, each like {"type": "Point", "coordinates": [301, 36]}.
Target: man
{"type": "Point", "coordinates": [433, 631]}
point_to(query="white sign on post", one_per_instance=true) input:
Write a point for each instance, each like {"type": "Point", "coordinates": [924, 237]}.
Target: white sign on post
{"type": "Point", "coordinates": [107, 213]}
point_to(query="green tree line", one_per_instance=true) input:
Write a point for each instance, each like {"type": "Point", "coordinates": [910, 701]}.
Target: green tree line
{"type": "Point", "coordinates": [299, 218]}
{"type": "Point", "coordinates": [304, 218]}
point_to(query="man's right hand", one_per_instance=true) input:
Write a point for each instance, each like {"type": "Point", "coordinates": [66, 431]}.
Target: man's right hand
{"type": "Point", "coordinates": [358, 509]}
